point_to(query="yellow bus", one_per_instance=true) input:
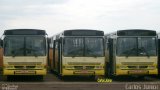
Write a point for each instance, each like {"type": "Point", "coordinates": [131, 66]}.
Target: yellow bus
{"type": "Point", "coordinates": [24, 52]}
{"type": "Point", "coordinates": [131, 52]}
{"type": "Point", "coordinates": [78, 52]}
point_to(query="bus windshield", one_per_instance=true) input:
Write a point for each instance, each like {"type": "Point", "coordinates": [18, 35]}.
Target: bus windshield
{"type": "Point", "coordinates": [80, 46]}
{"type": "Point", "coordinates": [136, 46]}
{"type": "Point", "coordinates": [24, 46]}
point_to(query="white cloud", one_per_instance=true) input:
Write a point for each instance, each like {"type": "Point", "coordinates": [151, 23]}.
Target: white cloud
{"type": "Point", "coordinates": [57, 15]}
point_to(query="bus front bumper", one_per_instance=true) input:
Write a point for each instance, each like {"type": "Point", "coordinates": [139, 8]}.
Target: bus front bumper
{"type": "Point", "coordinates": [136, 72]}
{"type": "Point", "coordinates": [24, 72]}
{"type": "Point", "coordinates": [66, 72]}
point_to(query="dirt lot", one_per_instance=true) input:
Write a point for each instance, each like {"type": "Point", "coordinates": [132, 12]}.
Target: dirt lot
{"type": "Point", "coordinates": [52, 82]}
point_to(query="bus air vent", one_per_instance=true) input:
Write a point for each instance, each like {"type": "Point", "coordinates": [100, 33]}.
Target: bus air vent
{"type": "Point", "coordinates": [83, 63]}
{"type": "Point", "coordinates": [137, 63]}
{"type": "Point", "coordinates": [24, 63]}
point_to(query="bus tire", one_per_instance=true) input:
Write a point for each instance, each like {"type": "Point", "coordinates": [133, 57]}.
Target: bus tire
{"type": "Point", "coordinates": [141, 77]}
{"type": "Point", "coordinates": [93, 77]}
{"type": "Point", "coordinates": [109, 74]}
{"type": "Point", "coordinates": [40, 77]}
{"type": "Point", "coordinates": [9, 77]}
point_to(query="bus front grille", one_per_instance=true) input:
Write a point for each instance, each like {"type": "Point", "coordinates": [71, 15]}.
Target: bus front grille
{"type": "Point", "coordinates": [137, 63]}
{"type": "Point", "coordinates": [132, 66]}
{"type": "Point", "coordinates": [24, 63]}
{"type": "Point", "coordinates": [143, 66]}
{"type": "Point", "coordinates": [84, 67]}
{"type": "Point", "coordinates": [83, 63]}
{"type": "Point", "coordinates": [24, 67]}
{"type": "Point", "coordinates": [19, 67]}
{"type": "Point", "coordinates": [137, 67]}
{"type": "Point", "coordinates": [78, 67]}
{"type": "Point", "coordinates": [30, 67]}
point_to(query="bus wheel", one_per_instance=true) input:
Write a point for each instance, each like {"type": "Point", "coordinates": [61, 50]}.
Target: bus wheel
{"type": "Point", "coordinates": [109, 74]}
{"type": "Point", "coordinates": [40, 77]}
{"type": "Point", "coordinates": [140, 77]}
{"type": "Point", "coordinates": [99, 77]}
{"type": "Point", "coordinates": [92, 77]}
{"type": "Point", "coordinates": [60, 77]}
{"type": "Point", "coordinates": [9, 78]}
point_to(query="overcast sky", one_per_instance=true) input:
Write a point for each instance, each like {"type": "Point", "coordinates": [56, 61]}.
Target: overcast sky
{"type": "Point", "coordinates": [57, 15]}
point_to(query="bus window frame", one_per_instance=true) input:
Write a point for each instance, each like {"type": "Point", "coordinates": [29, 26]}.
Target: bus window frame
{"type": "Point", "coordinates": [103, 44]}
{"type": "Point", "coordinates": [45, 42]}
{"type": "Point", "coordinates": [156, 43]}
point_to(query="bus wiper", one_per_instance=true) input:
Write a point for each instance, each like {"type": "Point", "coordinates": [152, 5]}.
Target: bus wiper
{"type": "Point", "coordinates": [30, 49]}
{"type": "Point", "coordinates": [71, 52]}
{"type": "Point", "coordinates": [14, 52]}
{"type": "Point", "coordinates": [130, 51]}
{"type": "Point", "coordinates": [143, 50]}
{"type": "Point", "coordinates": [35, 54]}
{"type": "Point", "coordinates": [74, 53]}
{"type": "Point", "coordinates": [94, 55]}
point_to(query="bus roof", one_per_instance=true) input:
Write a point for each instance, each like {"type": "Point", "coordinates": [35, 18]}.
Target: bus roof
{"type": "Point", "coordinates": [24, 32]}
{"type": "Point", "coordinates": [83, 32]}
{"type": "Point", "coordinates": [134, 32]}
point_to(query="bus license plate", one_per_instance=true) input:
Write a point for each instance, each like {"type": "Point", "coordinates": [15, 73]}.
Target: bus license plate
{"type": "Point", "coordinates": [137, 72]}
{"type": "Point", "coordinates": [24, 71]}
{"type": "Point", "coordinates": [84, 71]}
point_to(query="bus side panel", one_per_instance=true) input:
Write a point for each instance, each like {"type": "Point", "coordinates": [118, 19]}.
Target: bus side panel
{"type": "Point", "coordinates": [51, 58]}
{"type": "Point", "coordinates": [1, 57]}
{"type": "Point", "coordinates": [56, 57]}
{"type": "Point", "coordinates": [60, 57]}
{"type": "Point", "coordinates": [114, 56]}
{"type": "Point", "coordinates": [111, 56]}
{"type": "Point", "coordinates": [106, 59]}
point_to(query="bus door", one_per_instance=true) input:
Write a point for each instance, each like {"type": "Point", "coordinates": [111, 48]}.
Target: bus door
{"type": "Point", "coordinates": [111, 56]}
{"type": "Point", "coordinates": [59, 56]}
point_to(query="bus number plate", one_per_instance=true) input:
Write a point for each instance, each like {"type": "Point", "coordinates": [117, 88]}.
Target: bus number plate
{"type": "Point", "coordinates": [137, 72]}
{"type": "Point", "coordinates": [24, 72]}
{"type": "Point", "coordinates": [84, 71]}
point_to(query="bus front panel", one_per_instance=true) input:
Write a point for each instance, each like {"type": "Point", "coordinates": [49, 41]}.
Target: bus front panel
{"type": "Point", "coordinates": [83, 66]}
{"type": "Point", "coordinates": [24, 66]}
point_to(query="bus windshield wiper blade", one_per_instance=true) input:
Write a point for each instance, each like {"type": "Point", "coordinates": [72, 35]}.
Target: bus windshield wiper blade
{"type": "Point", "coordinates": [130, 51]}
{"type": "Point", "coordinates": [143, 50]}
{"type": "Point", "coordinates": [14, 52]}
{"type": "Point", "coordinates": [94, 55]}
{"type": "Point", "coordinates": [30, 49]}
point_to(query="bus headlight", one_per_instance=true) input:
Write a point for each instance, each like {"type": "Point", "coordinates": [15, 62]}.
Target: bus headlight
{"type": "Point", "coordinates": [122, 67]}
{"type": "Point", "coordinates": [151, 67]}
{"type": "Point", "coordinates": [98, 67]}
{"type": "Point", "coordinates": [39, 66]}
{"type": "Point", "coordinates": [69, 67]}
